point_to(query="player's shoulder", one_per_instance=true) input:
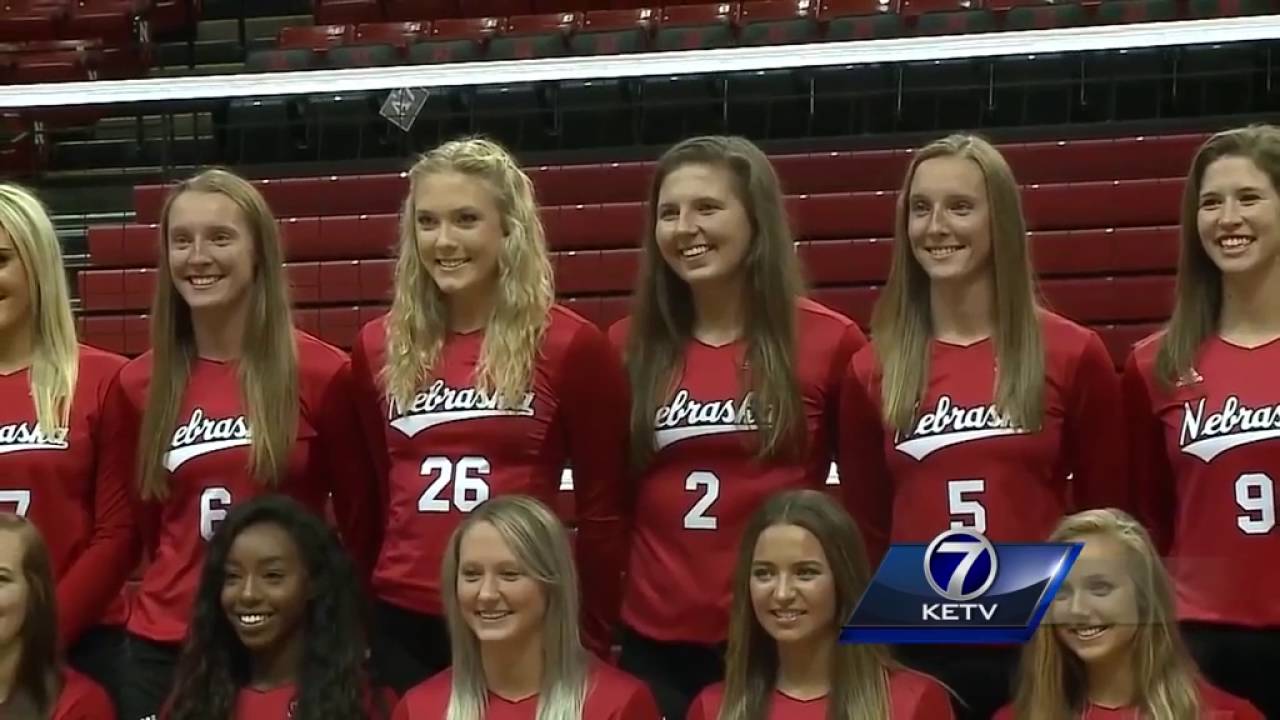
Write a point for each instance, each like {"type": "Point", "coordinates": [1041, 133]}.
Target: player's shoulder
{"type": "Point", "coordinates": [373, 334]}
{"type": "Point", "coordinates": [97, 360]}
{"type": "Point", "coordinates": [565, 327]}
{"type": "Point", "coordinates": [907, 683]}
{"type": "Point", "coordinates": [81, 698]}
{"type": "Point", "coordinates": [620, 331]}
{"type": "Point", "coordinates": [430, 697]}
{"type": "Point", "coordinates": [865, 362]}
{"type": "Point", "coordinates": [1145, 351]}
{"type": "Point", "coordinates": [317, 359]}
{"type": "Point", "coordinates": [1222, 705]}
{"type": "Point", "coordinates": [1063, 335]}
{"type": "Point", "coordinates": [613, 680]}
{"type": "Point", "coordinates": [1004, 713]}
{"type": "Point", "coordinates": [708, 702]}
{"type": "Point", "coordinates": [813, 314]}
{"type": "Point", "coordinates": [135, 375]}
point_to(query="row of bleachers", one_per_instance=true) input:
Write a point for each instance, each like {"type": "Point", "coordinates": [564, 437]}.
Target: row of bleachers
{"type": "Point", "coordinates": [1105, 248]}
{"type": "Point", "coordinates": [1034, 163]}
{"type": "Point", "coordinates": [707, 25]}
{"type": "Point", "coordinates": [114, 21]}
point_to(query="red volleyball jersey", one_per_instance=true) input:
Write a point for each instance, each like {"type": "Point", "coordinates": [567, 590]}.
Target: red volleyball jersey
{"type": "Point", "coordinates": [1206, 460]}
{"type": "Point", "coordinates": [58, 483]}
{"type": "Point", "coordinates": [281, 703]}
{"type": "Point", "coordinates": [611, 695]}
{"type": "Point", "coordinates": [455, 447]}
{"type": "Point", "coordinates": [1215, 705]}
{"type": "Point", "coordinates": [81, 699]}
{"type": "Point", "coordinates": [705, 480]}
{"type": "Point", "coordinates": [965, 465]}
{"type": "Point", "coordinates": [912, 696]}
{"type": "Point", "coordinates": [208, 471]}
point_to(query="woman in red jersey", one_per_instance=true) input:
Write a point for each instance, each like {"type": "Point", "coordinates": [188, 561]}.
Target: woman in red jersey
{"type": "Point", "coordinates": [1109, 648]}
{"type": "Point", "coordinates": [735, 380]}
{"type": "Point", "coordinates": [230, 402]}
{"type": "Point", "coordinates": [32, 684]}
{"type": "Point", "coordinates": [51, 440]}
{"type": "Point", "coordinates": [476, 385]}
{"type": "Point", "coordinates": [1204, 412]}
{"type": "Point", "coordinates": [801, 571]}
{"type": "Point", "coordinates": [511, 598]}
{"type": "Point", "coordinates": [277, 630]}
{"type": "Point", "coordinates": [973, 406]}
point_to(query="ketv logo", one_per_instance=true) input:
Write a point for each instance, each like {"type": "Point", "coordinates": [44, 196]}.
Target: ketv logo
{"type": "Point", "coordinates": [960, 588]}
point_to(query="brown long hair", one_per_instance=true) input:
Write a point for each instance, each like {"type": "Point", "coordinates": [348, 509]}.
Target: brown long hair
{"type": "Point", "coordinates": [662, 316]}
{"type": "Point", "coordinates": [38, 681]}
{"type": "Point", "coordinates": [859, 672]}
{"type": "Point", "coordinates": [268, 365]}
{"type": "Point", "coordinates": [418, 321]}
{"type": "Point", "coordinates": [1197, 307]}
{"type": "Point", "coordinates": [1051, 680]}
{"type": "Point", "coordinates": [902, 323]}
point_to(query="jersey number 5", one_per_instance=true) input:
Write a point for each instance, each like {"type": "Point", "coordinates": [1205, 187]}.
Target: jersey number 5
{"type": "Point", "coordinates": [1256, 495]}
{"type": "Point", "coordinates": [21, 500]}
{"type": "Point", "coordinates": [965, 509]}
{"type": "Point", "coordinates": [467, 476]}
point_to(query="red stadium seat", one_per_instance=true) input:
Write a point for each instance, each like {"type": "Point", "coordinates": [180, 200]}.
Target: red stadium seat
{"type": "Point", "coordinates": [912, 8]}
{"type": "Point", "coordinates": [339, 325]}
{"type": "Point", "coordinates": [643, 18]}
{"type": "Point", "coordinates": [1120, 339]}
{"type": "Point", "coordinates": [397, 34]}
{"type": "Point", "coordinates": [114, 21]}
{"type": "Point", "coordinates": [21, 22]}
{"type": "Point", "coordinates": [725, 13]}
{"type": "Point", "coordinates": [1111, 299]}
{"type": "Point", "coordinates": [1123, 203]}
{"type": "Point", "coordinates": [563, 23]}
{"type": "Point", "coordinates": [495, 8]}
{"type": "Point", "coordinates": [318, 38]}
{"type": "Point", "coordinates": [832, 9]}
{"type": "Point", "coordinates": [472, 28]}
{"type": "Point", "coordinates": [843, 215]}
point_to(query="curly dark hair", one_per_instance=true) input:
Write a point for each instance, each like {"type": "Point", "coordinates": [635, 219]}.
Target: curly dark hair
{"type": "Point", "coordinates": [333, 681]}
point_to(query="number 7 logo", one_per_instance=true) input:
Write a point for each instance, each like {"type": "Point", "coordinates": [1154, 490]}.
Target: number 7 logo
{"type": "Point", "coordinates": [20, 498]}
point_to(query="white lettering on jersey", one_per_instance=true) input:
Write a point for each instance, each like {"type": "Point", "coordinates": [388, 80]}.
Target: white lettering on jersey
{"type": "Point", "coordinates": [683, 418]}
{"type": "Point", "coordinates": [201, 436]}
{"type": "Point", "coordinates": [440, 404]}
{"type": "Point", "coordinates": [18, 437]}
{"type": "Point", "coordinates": [949, 425]}
{"type": "Point", "coordinates": [1208, 436]}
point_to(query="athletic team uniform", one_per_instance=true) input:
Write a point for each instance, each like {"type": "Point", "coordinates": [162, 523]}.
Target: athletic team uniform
{"type": "Point", "coordinates": [80, 699]}
{"type": "Point", "coordinates": [455, 447]}
{"type": "Point", "coordinates": [1206, 458]}
{"type": "Point", "coordinates": [84, 515]}
{"type": "Point", "coordinates": [964, 465]}
{"type": "Point", "coordinates": [611, 695]}
{"type": "Point", "coordinates": [700, 489]}
{"type": "Point", "coordinates": [209, 472]}
{"type": "Point", "coordinates": [279, 704]}
{"type": "Point", "coordinates": [912, 696]}
{"type": "Point", "coordinates": [1215, 705]}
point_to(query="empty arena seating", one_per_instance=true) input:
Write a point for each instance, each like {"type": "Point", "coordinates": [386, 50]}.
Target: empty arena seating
{"type": "Point", "coordinates": [1103, 216]}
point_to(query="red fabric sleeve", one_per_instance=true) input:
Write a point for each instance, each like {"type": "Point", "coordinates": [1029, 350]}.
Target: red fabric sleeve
{"type": "Point", "coordinates": [96, 576]}
{"type": "Point", "coordinates": [82, 699]}
{"type": "Point", "coordinates": [401, 712]}
{"type": "Point", "coordinates": [595, 401]}
{"type": "Point", "coordinates": [1150, 474]}
{"type": "Point", "coordinates": [640, 706]}
{"type": "Point", "coordinates": [696, 710]}
{"type": "Point", "coordinates": [1005, 713]}
{"type": "Point", "coordinates": [371, 408]}
{"type": "Point", "coordinates": [347, 458]}
{"type": "Point", "coordinates": [850, 342]}
{"type": "Point", "coordinates": [865, 482]}
{"type": "Point", "coordinates": [935, 704]}
{"type": "Point", "coordinates": [1093, 433]}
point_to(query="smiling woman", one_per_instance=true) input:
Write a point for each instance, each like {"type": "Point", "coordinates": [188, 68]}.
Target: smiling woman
{"type": "Point", "coordinates": [231, 402]}
{"type": "Point", "coordinates": [277, 628]}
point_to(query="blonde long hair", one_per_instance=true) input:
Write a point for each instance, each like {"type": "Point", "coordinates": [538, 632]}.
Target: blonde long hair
{"type": "Point", "coordinates": [1197, 307]}
{"type": "Point", "coordinates": [1051, 679]}
{"type": "Point", "coordinates": [902, 323]}
{"type": "Point", "coordinates": [268, 365]}
{"type": "Point", "coordinates": [859, 672]}
{"type": "Point", "coordinates": [54, 349]}
{"type": "Point", "coordinates": [662, 316]}
{"type": "Point", "coordinates": [419, 318]}
{"type": "Point", "coordinates": [541, 546]}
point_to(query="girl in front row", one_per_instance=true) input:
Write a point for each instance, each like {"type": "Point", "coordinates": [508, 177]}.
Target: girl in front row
{"type": "Point", "coordinates": [32, 683]}
{"type": "Point", "coordinates": [511, 601]}
{"type": "Point", "coordinates": [277, 632]}
{"type": "Point", "coordinates": [800, 573]}
{"type": "Point", "coordinates": [1110, 647]}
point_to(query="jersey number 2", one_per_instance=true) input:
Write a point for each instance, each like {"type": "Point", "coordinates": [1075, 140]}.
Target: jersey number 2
{"type": "Point", "coordinates": [698, 518]}
{"type": "Point", "coordinates": [1256, 495]}
{"type": "Point", "coordinates": [467, 476]}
